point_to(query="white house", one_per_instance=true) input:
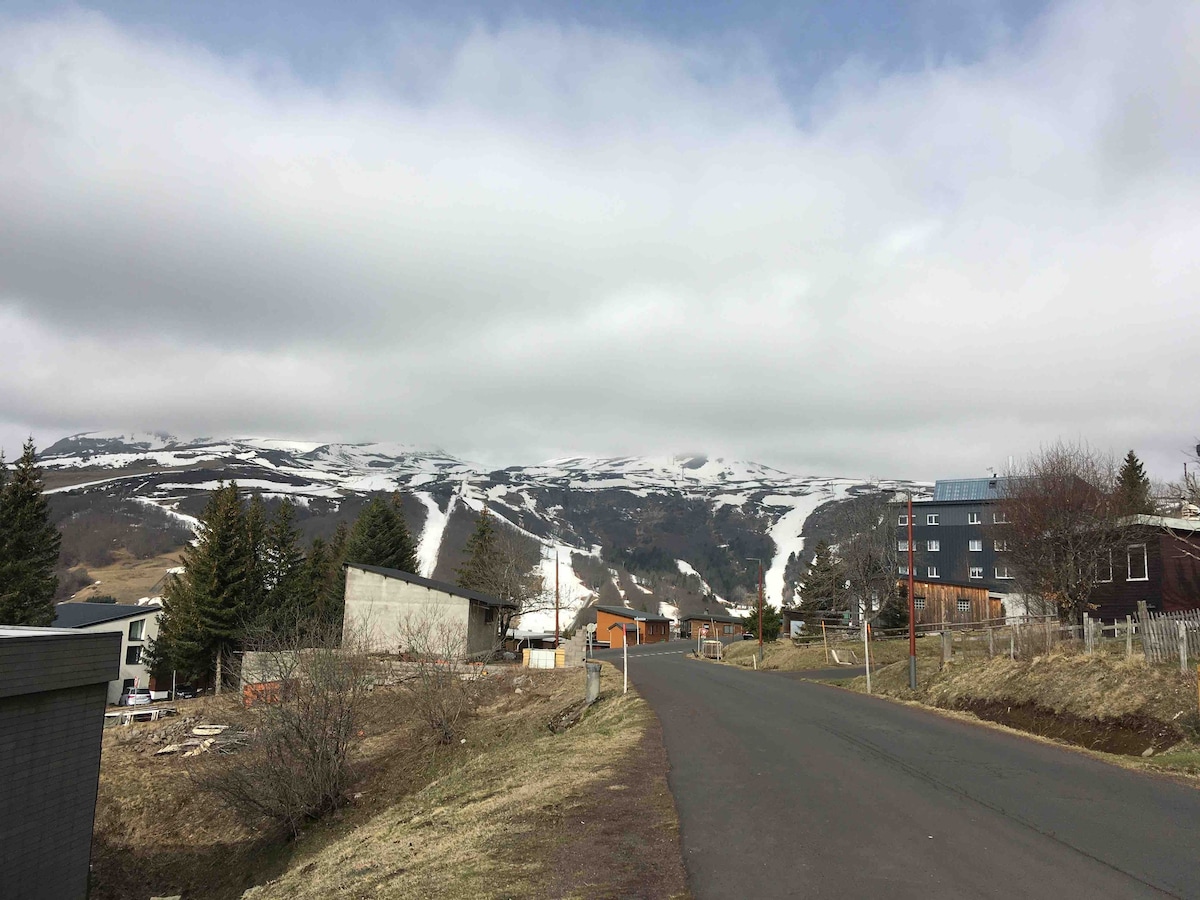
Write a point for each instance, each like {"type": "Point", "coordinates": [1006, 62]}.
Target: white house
{"type": "Point", "coordinates": [137, 625]}
{"type": "Point", "coordinates": [383, 604]}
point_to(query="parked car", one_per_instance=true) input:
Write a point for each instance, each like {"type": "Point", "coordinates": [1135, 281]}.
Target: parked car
{"type": "Point", "coordinates": [185, 692]}
{"type": "Point", "coordinates": [137, 696]}
{"type": "Point", "coordinates": [749, 636]}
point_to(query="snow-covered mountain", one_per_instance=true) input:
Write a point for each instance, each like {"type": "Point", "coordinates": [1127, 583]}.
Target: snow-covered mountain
{"type": "Point", "coordinates": [640, 530]}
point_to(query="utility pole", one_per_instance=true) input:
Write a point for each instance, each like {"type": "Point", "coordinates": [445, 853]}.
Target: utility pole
{"type": "Point", "coordinates": [760, 605]}
{"type": "Point", "coordinates": [912, 607]}
{"type": "Point", "coordinates": [555, 599]}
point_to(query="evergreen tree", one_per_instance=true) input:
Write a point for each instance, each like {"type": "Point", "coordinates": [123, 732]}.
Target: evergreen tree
{"type": "Point", "coordinates": [318, 583]}
{"type": "Point", "coordinates": [29, 545]}
{"type": "Point", "coordinates": [284, 571]}
{"type": "Point", "coordinates": [206, 609]}
{"type": "Point", "coordinates": [380, 537]}
{"type": "Point", "coordinates": [825, 582]}
{"type": "Point", "coordinates": [1133, 488]}
{"type": "Point", "coordinates": [482, 569]}
{"type": "Point", "coordinates": [772, 622]}
{"type": "Point", "coordinates": [254, 522]}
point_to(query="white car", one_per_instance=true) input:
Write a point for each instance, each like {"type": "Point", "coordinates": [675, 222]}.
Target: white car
{"type": "Point", "coordinates": [134, 697]}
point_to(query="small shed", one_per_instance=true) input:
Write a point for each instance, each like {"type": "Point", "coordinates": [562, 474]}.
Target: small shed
{"type": "Point", "coordinates": [642, 627]}
{"type": "Point", "coordinates": [53, 684]}
{"type": "Point", "coordinates": [381, 604]}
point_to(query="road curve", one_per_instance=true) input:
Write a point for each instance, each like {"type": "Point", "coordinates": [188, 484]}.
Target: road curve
{"type": "Point", "coordinates": [792, 789]}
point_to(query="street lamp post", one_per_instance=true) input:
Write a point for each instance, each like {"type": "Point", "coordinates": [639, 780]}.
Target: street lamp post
{"type": "Point", "coordinates": [760, 605]}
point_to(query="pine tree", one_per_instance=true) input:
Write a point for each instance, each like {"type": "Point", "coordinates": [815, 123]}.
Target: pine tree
{"type": "Point", "coordinates": [283, 571]}
{"type": "Point", "coordinates": [29, 545]}
{"type": "Point", "coordinates": [1133, 488]}
{"type": "Point", "coordinates": [824, 583]}
{"type": "Point", "coordinates": [205, 610]}
{"type": "Point", "coordinates": [254, 522]}
{"type": "Point", "coordinates": [380, 537]}
{"type": "Point", "coordinates": [481, 571]}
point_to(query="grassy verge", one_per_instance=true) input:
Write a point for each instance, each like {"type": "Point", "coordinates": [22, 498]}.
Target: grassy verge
{"type": "Point", "coordinates": [784, 656]}
{"type": "Point", "coordinates": [1104, 703]}
{"type": "Point", "coordinates": [512, 810]}
{"type": "Point", "coordinates": [527, 814]}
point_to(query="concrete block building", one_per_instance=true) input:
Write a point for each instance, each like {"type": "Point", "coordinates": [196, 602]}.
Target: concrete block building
{"type": "Point", "coordinates": [381, 604]}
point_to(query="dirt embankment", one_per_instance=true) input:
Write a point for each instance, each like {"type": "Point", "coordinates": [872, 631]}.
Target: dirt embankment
{"type": "Point", "coordinates": [1108, 704]}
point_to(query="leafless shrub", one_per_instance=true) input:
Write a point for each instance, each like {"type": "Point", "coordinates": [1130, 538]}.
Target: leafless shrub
{"type": "Point", "coordinates": [437, 670]}
{"type": "Point", "coordinates": [305, 719]}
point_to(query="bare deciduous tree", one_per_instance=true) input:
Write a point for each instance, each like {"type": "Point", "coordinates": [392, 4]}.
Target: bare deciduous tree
{"type": "Point", "coordinates": [298, 764]}
{"type": "Point", "coordinates": [868, 556]}
{"type": "Point", "coordinates": [1063, 526]}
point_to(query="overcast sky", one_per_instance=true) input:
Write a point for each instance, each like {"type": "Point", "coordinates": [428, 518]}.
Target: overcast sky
{"type": "Point", "coordinates": [873, 241]}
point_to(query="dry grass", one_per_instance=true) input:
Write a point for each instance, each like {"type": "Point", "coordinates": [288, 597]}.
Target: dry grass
{"type": "Point", "coordinates": [784, 656]}
{"type": "Point", "coordinates": [484, 829]}
{"type": "Point", "coordinates": [128, 579]}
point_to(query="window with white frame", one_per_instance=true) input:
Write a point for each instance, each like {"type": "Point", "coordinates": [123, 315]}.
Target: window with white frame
{"type": "Point", "coordinates": [1000, 546]}
{"type": "Point", "coordinates": [1136, 568]}
{"type": "Point", "coordinates": [903, 520]}
{"type": "Point", "coordinates": [1004, 573]}
{"type": "Point", "coordinates": [902, 546]}
{"type": "Point", "coordinates": [1000, 518]}
{"type": "Point", "coordinates": [973, 518]}
{"type": "Point", "coordinates": [976, 572]}
{"type": "Point", "coordinates": [1104, 567]}
{"type": "Point", "coordinates": [931, 519]}
{"type": "Point", "coordinates": [932, 572]}
{"type": "Point", "coordinates": [933, 546]}
{"type": "Point", "coordinates": [903, 570]}
{"type": "Point", "coordinates": [919, 603]}
{"type": "Point", "coordinates": [975, 546]}
{"type": "Point", "coordinates": [964, 606]}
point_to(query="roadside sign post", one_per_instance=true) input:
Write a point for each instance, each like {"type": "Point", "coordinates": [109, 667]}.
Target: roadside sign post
{"type": "Point", "coordinates": [624, 651]}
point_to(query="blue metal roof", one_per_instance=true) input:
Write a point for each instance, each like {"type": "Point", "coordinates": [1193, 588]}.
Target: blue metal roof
{"type": "Point", "coordinates": [969, 489]}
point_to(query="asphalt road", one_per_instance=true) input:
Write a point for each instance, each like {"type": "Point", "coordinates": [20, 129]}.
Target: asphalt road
{"type": "Point", "coordinates": [794, 789]}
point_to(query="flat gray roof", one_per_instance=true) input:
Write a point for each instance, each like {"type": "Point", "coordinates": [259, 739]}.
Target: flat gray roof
{"type": "Point", "coordinates": [442, 586]}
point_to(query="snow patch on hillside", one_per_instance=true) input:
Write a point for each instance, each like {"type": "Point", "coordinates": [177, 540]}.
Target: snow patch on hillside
{"type": "Point", "coordinates": [785, 533]}
{"type": "Point", "coordinates": [431, 535]}
{"type": "Point", "coordinates": [571, 591]}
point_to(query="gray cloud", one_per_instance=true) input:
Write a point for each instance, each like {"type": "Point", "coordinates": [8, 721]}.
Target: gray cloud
{"type": "Point", "coordinates": [555, 241]}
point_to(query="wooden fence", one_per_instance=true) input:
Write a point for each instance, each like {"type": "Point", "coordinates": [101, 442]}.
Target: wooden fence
{"type": "Point", "coordinates": [1167, 637]}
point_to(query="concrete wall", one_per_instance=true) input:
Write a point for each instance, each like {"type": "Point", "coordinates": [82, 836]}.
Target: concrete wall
{"type": "Point", "coordinates": [52, 692]}
{"type": "Point", "coordinates": [378, 606]}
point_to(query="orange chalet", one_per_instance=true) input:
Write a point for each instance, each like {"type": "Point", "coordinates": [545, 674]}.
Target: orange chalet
{"type": "Point", "coordinates": [642, 627]}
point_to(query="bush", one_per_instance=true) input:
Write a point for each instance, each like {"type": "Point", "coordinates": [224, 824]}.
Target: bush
{"type": "Point", "coordinates": [298, 765]}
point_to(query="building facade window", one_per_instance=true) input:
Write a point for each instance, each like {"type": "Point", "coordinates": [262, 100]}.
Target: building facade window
{"type": "Point", "coordinates": [133, 655]}
{"type": "Point", "coordinates": [976, 572]}
{"type": "Point", "coordinates": [933, 546]}
{"type": "Point", "coordinates": [999, 518]}
{"type": "Point", "coordinates": [975, 546]}
{"type": "Point", "coordinates": [973, 518]}
{"type": "Point", "coordinates": [137, 629]}
{"type": "Point", "coordinates": [903, 570]}
{"type": "Point", "coordinates": [902, 546]}
{"type": "Point", "coordinates": [932, 572]}
{"type": "Point", "coordinates": [1003, 573]}
{"type": "Point", "coordinates": [1104, 567]}
{"type": "Point", "coordinates": [903, 520]}
{"type": "Point", "coordinates": [729, 629]}
{"type": "Point", "coordinates": [1136, 567]}
{"type": "Point", "coordinates": [1000, 546]}
{"type": "Point", "coordinates": [964, 606]}
{"type": "Point", "coordinates": [919, 603]}
{"type": "Point", "coordinates": [931, 519]}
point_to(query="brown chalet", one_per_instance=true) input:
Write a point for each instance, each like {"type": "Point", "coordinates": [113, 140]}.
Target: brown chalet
{"type": "Point", "coordinates": [1159, 563]}
{"type": "Point", "coordinates": [642, 627]}
{"type": "Point", "coordinates": [720, 625]}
